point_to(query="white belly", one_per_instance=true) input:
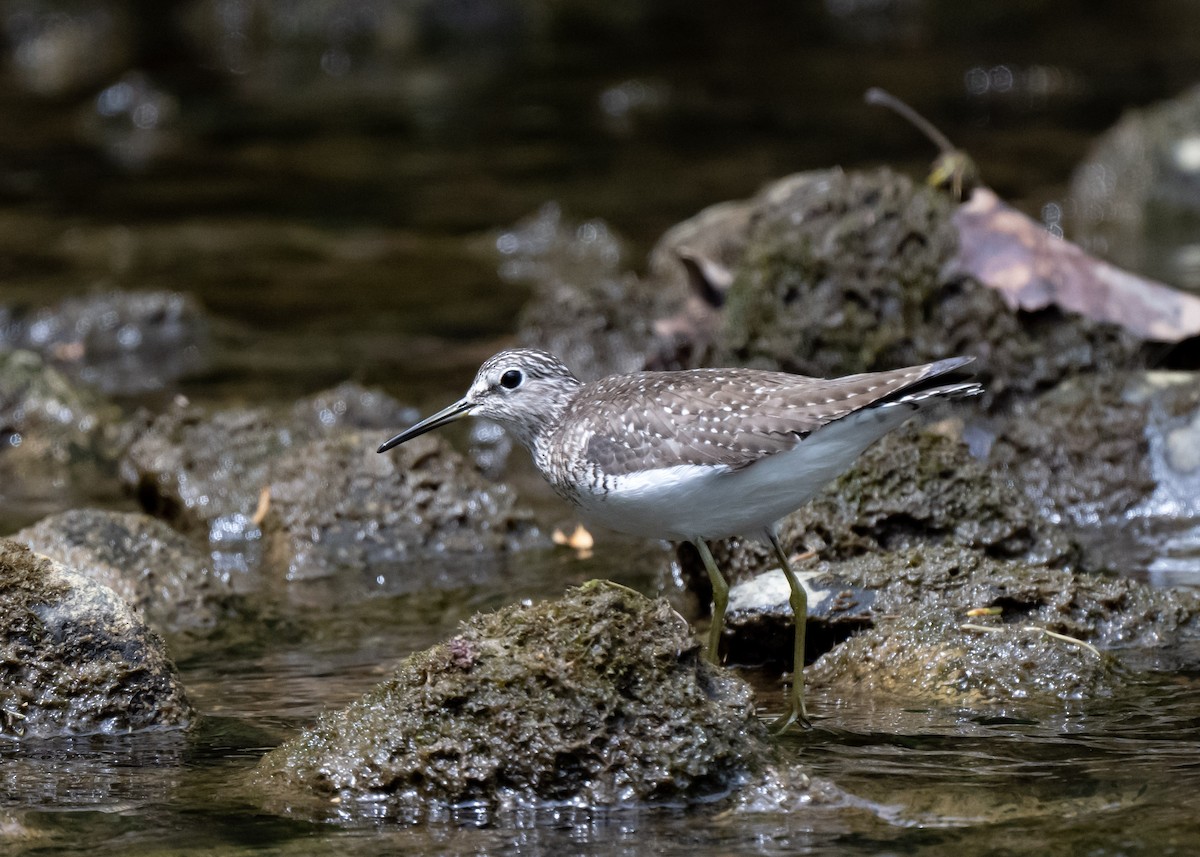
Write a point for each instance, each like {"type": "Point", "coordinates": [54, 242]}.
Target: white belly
{"type": "Point", "coordinates": [687, 502]}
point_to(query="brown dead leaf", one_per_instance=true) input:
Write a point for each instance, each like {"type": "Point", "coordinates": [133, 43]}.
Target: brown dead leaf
{"type": "Point", "coordinates": [264, 506]}
{"type": "Point", "coordinates": [1032, 269]}
{"type": "Point", "coordinates": [580, 540]}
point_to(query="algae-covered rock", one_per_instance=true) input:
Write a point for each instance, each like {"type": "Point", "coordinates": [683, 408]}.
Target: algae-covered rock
{"type": "Point", "coordinates": [932, 658]}
{"type": "Point", "coordinates": [838, 270]}
{"type": "Point", "coordinates": [875, 590]}
{"type": "Point", "coordinates": [922, 486]}
{"type": "Point", "coordinates": [846, 272]}
{"type": "Point", "coordinates": [74, 658]}
{"type": "Point", "coordinates": [152, 567]}
{"type": "Point", "coordinates": [601, 698]}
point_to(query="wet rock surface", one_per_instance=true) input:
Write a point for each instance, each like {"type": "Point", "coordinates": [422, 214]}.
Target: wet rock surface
{"type": "Point", "coordinates": [921, 486]}
{"type": "Point", "coordinates": [115, 342]}
{"type": "Point", "coordinates": [152, 567]}
{"type": "Point", "coordinates": [1113, 453]}
{"type": "Point", "coordinates": [74, 658]}
{"type": "Point", "coordinates": [932, 658]}
{"type": "Point", "coordinates": [1110, 612]}
{"type": "Point", "coordinates": [600, 699]}
{"type": "Point", "coordinates": [842, 267]}
{"type": "Point", "coordinates": [1079, 451]}
{"type": "Point", "coordinates": [310, 482]}
{"type": "Point", "coordinates": [337, 504]}
{"type": "Point", "coordinates": [59, 443]}
{"type": "Point", "coordinates": [193, 468]}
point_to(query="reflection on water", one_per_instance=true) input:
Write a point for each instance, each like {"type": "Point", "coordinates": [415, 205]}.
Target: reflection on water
{"type": "Point", "coordinates": [106, 773]}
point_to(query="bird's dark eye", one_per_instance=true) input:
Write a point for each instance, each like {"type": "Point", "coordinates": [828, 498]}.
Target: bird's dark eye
{"type": "Point", "coordinates": [511, 379]}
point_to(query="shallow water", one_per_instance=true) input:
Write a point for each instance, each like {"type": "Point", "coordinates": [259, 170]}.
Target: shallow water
{"type": "Point", "coordinates": [333, 219]}
{"type": "Point", "coordinates": [1097, 777]}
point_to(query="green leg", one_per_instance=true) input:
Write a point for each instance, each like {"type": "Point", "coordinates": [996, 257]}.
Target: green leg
{"type": "Point", "coordinates": [799, 600]}
{"type": "Point", "coordinates": [720, 600]}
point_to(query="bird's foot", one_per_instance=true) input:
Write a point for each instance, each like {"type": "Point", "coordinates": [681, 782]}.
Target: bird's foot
{"type": "Point", "coordinates": [794, 716]}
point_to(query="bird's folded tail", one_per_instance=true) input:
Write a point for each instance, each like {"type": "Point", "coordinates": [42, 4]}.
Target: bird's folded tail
{"type": "Point", "coordinates": [940, 380]}
{"type": "Point", "coordinates": [960, 390]}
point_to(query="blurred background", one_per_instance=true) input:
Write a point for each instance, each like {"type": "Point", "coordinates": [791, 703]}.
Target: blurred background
{"type": "Point", "coordinates": [325, 179]}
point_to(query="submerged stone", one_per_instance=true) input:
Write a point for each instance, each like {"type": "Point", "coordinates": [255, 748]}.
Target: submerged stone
{"type": "Point", "coordinates": [599, 699]}
{"type": "Point", "coordinates": [75, 659]}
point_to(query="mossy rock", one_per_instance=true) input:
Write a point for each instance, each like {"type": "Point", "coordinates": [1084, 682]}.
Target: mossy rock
{"type": "Point", "coordinates": [160, 572]}
{"type": "Point", "coordinates": [600, 698]}
{"type": "Point", "coordinates": [846, 272]}
{"type": "Point", "coordinates": [839, 268]}
{"type": "Point", "coordinates": [74, 658]}
{"type": "Point", "coordinates": [932, 658]}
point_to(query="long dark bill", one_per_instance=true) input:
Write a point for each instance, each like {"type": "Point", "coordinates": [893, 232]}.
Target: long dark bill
{"type": "Point", "coordinates": [456, 411]}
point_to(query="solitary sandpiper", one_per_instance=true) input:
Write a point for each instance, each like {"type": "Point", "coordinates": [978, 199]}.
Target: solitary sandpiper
{"type": "Point", "coordinates": [697, 454]}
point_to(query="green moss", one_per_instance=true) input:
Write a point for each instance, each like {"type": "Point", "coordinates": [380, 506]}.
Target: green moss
{"type": "Point", "coordinates": [931, 657]}
{"type": "Point", "coordinates": [839, 268]}
{"type": "Point", "coordinates": [600, 697]}
{"type": "Point", "coordinates": [75, 658]}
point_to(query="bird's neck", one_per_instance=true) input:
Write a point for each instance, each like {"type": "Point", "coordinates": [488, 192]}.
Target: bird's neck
{"type": "Point", "coordinates": [539, 423]}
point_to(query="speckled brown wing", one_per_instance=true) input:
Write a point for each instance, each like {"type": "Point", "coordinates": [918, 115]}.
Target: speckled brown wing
{"type": "Point", "coordinates": [732, 417]}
